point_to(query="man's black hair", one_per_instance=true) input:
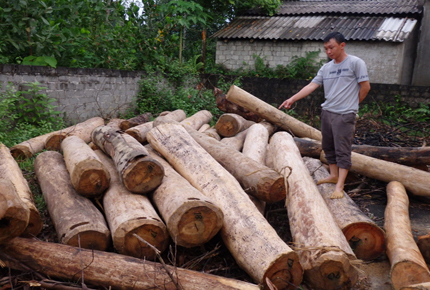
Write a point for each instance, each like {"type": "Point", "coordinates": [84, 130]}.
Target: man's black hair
{"type": "Point", "coordinates": [336, 36]}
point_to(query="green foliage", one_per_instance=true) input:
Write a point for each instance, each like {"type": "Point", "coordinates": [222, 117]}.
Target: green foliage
{"type": "Point", "coordinates": [40, 60]}
{"type": "Point", "coordinates": [26, 114]}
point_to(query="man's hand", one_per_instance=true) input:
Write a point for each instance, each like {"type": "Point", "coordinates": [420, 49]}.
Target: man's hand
{"type": "Point", "coordinates": [286, 104]}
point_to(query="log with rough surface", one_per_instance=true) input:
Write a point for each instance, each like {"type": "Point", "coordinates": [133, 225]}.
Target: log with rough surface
{"type": "Point", "coordinates": [229, 125]}
{"type": "Point", "coordinates": [108, 270]}
{"type": "Point", "coordinates": [402, 155]}
{"type": "Point", "coordinates": [139, 172]}
{"type": "Point", "coordinates": [322, 247]}
{"type": "Point", "coordinates": [14, 212]}
{"type": "Point", "coordinates": [271, 114]}
{"type": "Point", "coordinates": [139, 132]}
{"type": "Point", "coordinates": [366, 239]}
{"type": "Point", "coordinates": [135, 121]}
{"type": "Point", "coordinates": [191, 218]}
{"type": "Point", "coordinates": [407, 264]}
{"type": "Point", "coordinates": [256, 141]}
{"type": "Point", "coordinates": [256, 179]}
{"type": "Point", "coordinates": [77, 221]}
{"type": "Point", "coordinates": [128, 214]}
{"type": "Point", "coordinates": [420, 286]}
{"type": "Point", "coordinates": [229, 107]}
{"type": "Point", "coordinates": [82, 130]}
{"type": "Point", "coordinates": [89, 176]}
{"type": "Point", "coordinates": [235, 142]}
{"type": "Point", "coordinates": [414, 180]}
{"type": "Point", "coordinates": [254, 244]}
{"type": "Point", "coordinates": [423, 243]}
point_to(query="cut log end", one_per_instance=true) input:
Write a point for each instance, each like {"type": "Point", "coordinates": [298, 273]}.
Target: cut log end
{"type": "Point", "coordinates": [143, 175]}
{"type": "Point", "coordinates": [20, 152]}
{"type": "Point", "coordinates": [285, 272]}
{"type": "Point", "coordinates": [136, 136]}
{"type": "Point", "coordinates": [153, 234]}
{"type": "Point", "coordinates": [424, 246]}
{"type": "Point", "coordinates": [227, 126]}
{"type": "Point", "coordinates": [93, 183]}
{"type": "Point", "coordinates": [408, 273]}
{"type": "Point", "coordinates": [35, 224]}
{"type": "Point", "coordinates": [13, 224]}
{"type": "Point", "coordinates": [278, 190]}
{"type": "Point", "coordinates": [93, 240]}
{"type": "Point", "coordinates": [197, 226]}
{"type": "Point", "coordinates": [333, 271]}
{"type": "Point", "coordinates": [54, 141]}
{"type": "Point", "coordinates": [366, 240]}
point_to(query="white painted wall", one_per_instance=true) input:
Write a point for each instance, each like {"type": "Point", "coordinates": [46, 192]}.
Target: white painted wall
{"type": "Point", "coordinates": [384, 59]}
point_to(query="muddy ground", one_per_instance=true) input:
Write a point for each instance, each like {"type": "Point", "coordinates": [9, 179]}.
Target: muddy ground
{"type": "Point", "coordinates": [214, 258]}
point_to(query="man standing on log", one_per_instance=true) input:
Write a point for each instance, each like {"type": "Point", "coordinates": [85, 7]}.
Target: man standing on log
{"type": "Point", "coordinates": [346, 84]}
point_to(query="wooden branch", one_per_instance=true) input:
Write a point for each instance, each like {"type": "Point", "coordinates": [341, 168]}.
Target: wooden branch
{"type": "Point", "coordinates": [271, 114]}
{"type": "Point", "coordinates": [104, 269]}
{"type": "Point", "coordinates": [407, 264]}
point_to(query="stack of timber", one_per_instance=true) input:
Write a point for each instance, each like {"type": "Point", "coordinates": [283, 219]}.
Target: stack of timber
{"type": "Point", "coordinates": [142, 185]}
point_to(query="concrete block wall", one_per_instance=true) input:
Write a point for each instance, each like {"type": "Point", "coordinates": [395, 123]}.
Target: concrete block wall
{"type": "Point", "coordinates": [79, 93]}
{"type": "Point", "coordinates": [385, 60]}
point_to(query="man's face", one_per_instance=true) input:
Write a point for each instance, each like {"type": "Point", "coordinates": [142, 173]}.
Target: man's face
{"type": "Point", "coordinates": [333, 49]}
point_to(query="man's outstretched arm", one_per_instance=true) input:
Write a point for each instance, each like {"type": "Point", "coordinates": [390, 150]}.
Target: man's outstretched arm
{"type": "Point", "coordinates": [304, 92]}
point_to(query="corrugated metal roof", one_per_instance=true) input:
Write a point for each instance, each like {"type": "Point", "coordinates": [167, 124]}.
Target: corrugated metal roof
{"type": "Point", "coordinates": [316, 27]}
{"type": "Point", "coordinates": [371, 7]}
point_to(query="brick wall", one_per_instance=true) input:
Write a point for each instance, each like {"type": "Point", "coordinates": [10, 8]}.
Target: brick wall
{"type": "Point", "coordinates": [80, 93]}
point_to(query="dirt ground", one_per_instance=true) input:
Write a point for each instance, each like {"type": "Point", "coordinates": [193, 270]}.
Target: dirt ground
{"type": "Point", "coordinates": [215, 259]}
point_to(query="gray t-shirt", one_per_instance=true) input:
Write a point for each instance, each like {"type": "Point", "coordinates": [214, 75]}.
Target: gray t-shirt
{"type": "Point", "coordinates": [341, 84]}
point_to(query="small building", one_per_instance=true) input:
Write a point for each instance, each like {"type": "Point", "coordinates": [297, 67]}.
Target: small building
{"type": "Point", "coordinates": [385, 33]}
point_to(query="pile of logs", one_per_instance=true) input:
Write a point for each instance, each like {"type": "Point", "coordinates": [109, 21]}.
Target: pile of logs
{"type": "Point", "coordinates": [176, 179]}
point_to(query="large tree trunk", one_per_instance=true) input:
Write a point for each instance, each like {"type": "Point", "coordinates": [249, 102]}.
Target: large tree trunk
{"type": "Point", "coordinates": [191, 218]}
{"type": "Point", "coordinates": [135, 121]}
{"type": "Point", "coordinates": [366, 239]}
{"type": "Point", "coordinates": [253, 243]}
{"type": "Point", "coordinates": [129, 214]}
{"type": "Point", "coordinates": [257, 179]}
{"type": "Point", "coordinates": [414, 180]}
{"type": "Point", "coordinates": [77, 221]}
{"type": "Point", "coordinates": [272, 114]}
{"type": "Point", "coordinates": [82, 130]}
{"type": "Point", "coordinates": [89, 176]}
{"type": "Point", "coordinates": [108, 270]}
{"type": "Point", "coordinates": [139, 173]}
{"type": "Point", "coordinates": [407, 264]}
{"type": "Point", "coordinates": [402, 155]}
{"type": "Point", "coordinates": [230, 124]}
{"type": "Point", "coordinates": [14, 213]}
{"type": "Point", "coordinates": [229, 107]}
{"type": "Point", "coordinates": [323, 249]}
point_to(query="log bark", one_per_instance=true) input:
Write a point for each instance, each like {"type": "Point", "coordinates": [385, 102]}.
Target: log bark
{"type": "Point", "coordinates": [128, 214]}
{"type": "Point", "coordinates": [212, 132]}
{"type": "Point", "coordinates": [14, 212]}
{"type": "Point", "coordinates": [256, 142]}
{"type": "Point", "coordinates": [204, 127]}
{"type": "Point", "coordinates": [257, 179]}
{"type": "Point", "coordinates": [366, 239]}
{"type": "Point", "coordinates": [198, 119]}
{"type": "Point", "coordinates": [191, 218]}
{"type": "Point", "coordinates": [413, 179]}
{"type": "Point", "coordinates": [323, 249]}
{"type": "Point", "coordinates": [139, 132]}
{"type": "Point", "coordinates": [271, 114]}
{"type": "Point", "coordinates": [89, 176]}
{"type": "Point", "coordinates": [229, 125]}
{"type": "Point", "coordinates": [420, 286]}
{"type": "Point", "coordinates": [108, 270]}
{"type": "Point", "coordinates": [412, 156]}
{"type": "Point", "coordinates": [407, 264]}
{"type": "Point", "coordinates": [29, 148]}
{"type": "Point", "coordinates": [235, 142]}
{"type": "Point", "coordinates": [115, 124]}
{"type": "Point", "coordinates": [135, 121]}
{"type": "Point", "coordinates": [250, 239]}
{"type": "Point", "coordinates": [139, 173]}
{"type": "Point", "coordinates": [77, 221]}
{"type": "Point", "coordinates": [229, 107]}
{"type": "Point", "coordinates": [82, 130]}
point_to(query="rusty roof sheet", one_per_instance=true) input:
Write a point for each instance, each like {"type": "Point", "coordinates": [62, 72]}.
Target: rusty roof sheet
{"type": "Point", "coordinates": [371, 7]}
{"type": "Point", "coordinates": [316, 27]}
